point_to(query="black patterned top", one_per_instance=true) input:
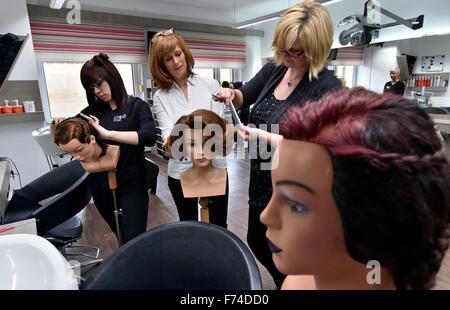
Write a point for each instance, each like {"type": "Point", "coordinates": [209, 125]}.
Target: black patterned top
{"type": "Point", "coordinates": [268, 110]}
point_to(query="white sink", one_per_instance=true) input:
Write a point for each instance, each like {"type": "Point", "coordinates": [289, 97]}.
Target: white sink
{"type": "Point", "coordinates": [29, 262]}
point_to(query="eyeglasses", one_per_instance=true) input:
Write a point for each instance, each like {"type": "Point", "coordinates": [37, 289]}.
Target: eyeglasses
{"type": "Point", "coordinates": [97, 84]}
{"type": "Point", "coordinates": [164, 33]}
{"type": "Point", "coordinates": [292, 53]}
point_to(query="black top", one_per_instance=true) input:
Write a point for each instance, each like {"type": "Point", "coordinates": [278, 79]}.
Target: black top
{"type": "Point", "coordinates": [398, 88]}
{"type": "Point", "coordinates": [269, 110]}
{"type": "Point", "coordinates": [133, 115]}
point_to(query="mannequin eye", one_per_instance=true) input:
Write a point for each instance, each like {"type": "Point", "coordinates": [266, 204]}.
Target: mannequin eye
{"type": "Point", "coordinates": [297, 207]}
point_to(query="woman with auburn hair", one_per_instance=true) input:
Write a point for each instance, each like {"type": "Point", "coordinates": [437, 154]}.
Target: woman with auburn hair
{"type": "Point", "coordinates": [180, 92]}
{"type": "Point", "coordinates": [301, 45]}
{"type": "Point", "coordinates": [362, 182]}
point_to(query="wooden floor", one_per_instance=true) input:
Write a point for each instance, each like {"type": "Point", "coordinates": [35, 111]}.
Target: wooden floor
{"type": "Point", "coordinates": [162, 210]}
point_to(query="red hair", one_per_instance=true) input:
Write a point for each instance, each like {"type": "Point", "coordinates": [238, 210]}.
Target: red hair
{"type": "Point", "coordinates": [390, 179]}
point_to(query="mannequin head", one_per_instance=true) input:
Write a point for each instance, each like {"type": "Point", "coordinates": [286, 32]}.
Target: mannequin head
{"type": "Point", "coordinates": [375, 182]}
{"type": "Point", "coordinates": [204, 136]}
{"type": "Point", "coordinates": [78, 138]}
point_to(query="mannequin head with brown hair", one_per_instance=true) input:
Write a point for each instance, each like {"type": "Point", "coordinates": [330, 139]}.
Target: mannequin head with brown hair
{"type": "Point", "coordinates": [78, 137]}
{"type": "Point", "coordinates": [201, 136]}
{"type": "Point", "coordinates": [367, 180]}
{"type": "Point", "coordinates": [204, 136]}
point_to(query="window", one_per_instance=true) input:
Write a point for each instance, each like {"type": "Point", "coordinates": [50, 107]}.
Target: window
{"type": "Point", "coordinates": [347, 74]}
{"type": "Point", "coordinates": [208, 73]}
{"type": "Point", "coordinates": [66, 95]}
{"type": "Point", "coordinates": [226, 75]}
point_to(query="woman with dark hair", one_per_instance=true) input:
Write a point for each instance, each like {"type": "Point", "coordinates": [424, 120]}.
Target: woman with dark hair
{"type": "Point", "coordinates": [362, 181]}
{"type": "Point", "coordinates": [120, 120]}
{"type": "Point", "coordinates": [180, 92]}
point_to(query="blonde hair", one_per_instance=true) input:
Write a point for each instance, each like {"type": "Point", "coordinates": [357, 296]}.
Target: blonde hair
{"type": "Point", "coordinates": [159, 47]}
{"type": "Point", "coordinates": [311, 24]}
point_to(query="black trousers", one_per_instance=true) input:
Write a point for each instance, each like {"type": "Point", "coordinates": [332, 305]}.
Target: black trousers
{"type": "Point", "coordinates": [135, 210]}
{"type": "Point", "coordinates": [188, 207]}
{"type": "Point", "coordinates": [256, 239]}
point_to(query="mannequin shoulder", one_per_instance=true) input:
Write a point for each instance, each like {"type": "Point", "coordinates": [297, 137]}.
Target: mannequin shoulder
{"type": "Point", "coordinates": [299, 283]}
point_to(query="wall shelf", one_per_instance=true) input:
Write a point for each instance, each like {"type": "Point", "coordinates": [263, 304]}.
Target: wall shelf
{"type": "Point", "coordinates": [21, 117]}
{"type": "Point", "coordinates": [433, 81]}
{"type": "Point", "coordinates": [433, 89]}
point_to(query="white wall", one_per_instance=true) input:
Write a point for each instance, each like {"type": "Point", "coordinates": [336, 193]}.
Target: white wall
{"type": "Point", "coordinates": [15, 138]}
{"type": "Point", "coordinates": [375, 70]}
{"type": "Point", "coordinates": [14, 19]}
{"type": "Point", "coordinates": [17, 143]}
{"type": "Point", "coordinates": [253, 55]}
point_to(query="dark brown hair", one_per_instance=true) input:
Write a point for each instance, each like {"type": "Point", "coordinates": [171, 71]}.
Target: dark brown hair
{"type": "Point", "coordinates": [391, 179]}
{"type": "Point", "coordinates": [99, 67]}
{"type": "Point", "coordinates": [80, 129]}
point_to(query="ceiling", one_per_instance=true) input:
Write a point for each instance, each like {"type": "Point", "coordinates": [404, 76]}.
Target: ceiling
{"type": "Point", "coordinates": [230, 12]}
{"type": "Point", "coordinates": [214, 12]}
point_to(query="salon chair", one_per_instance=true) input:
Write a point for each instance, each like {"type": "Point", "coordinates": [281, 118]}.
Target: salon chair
{"type": "Point", "coordinates": [436, 110]}
{"type": "Point", "coordinates": [181, 255]}
{"type": "Point", "coordinates": [152, 171]}
{"type": "Point", "coordinates": [44, 138]}
{"type": "Point", "coordinates": [55, 199]}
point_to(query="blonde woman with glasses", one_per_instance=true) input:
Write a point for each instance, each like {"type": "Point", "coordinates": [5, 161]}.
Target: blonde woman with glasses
{"type": "Point", "coordinates": [181, 92]}
{"type": "Point", "coordinates": [301, 45]}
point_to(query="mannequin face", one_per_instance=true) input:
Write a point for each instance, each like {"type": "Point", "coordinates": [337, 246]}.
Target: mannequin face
{"type": "Point", "coordinates": [303, 222]}
{"type": "Point", "coordinates": [84, 152]}
{"type": "Point", "coordinates": [201, 157]}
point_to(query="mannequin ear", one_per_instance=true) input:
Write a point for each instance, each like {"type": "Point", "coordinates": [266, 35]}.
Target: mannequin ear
{"type": "Point", "coordinates": [92, 139]}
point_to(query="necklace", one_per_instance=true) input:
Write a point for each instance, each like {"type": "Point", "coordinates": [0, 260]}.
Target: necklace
{"type": "Point", "coordinates": [290, 82]}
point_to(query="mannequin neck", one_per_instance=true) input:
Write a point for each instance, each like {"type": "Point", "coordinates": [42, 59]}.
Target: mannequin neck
{"type": "Point", "coordinates": [198, 171]}
{"type": "Point", "coordinates": [105, 163]}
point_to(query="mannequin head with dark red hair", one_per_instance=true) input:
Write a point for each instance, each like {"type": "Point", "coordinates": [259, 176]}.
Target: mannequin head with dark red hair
{"type": "Point", "coordinates": [367, 171]}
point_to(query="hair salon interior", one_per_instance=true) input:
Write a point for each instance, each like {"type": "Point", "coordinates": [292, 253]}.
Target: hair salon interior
{"type": "Point", "coordinates": [358, 173]}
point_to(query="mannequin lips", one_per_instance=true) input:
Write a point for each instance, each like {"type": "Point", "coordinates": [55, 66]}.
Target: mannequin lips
{"type": "Point", "coordinates": [272, 247]}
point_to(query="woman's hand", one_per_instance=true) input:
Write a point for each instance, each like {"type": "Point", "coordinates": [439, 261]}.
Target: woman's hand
{"type": "Point", "coordinates": [251, 133]}
{"type": "Point", "coordinates": [247, 133]}
{"type": "Point", "coordinates": [103, 133]}
{"type": "Point", "coordinates": [165, 147]}
{"type": "Point", "coordinates": [225, 95]}
{"type": "Point", "coordinates": [55, 123]}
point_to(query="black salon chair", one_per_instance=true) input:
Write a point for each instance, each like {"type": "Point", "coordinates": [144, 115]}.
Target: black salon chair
{"type": "Point", "coordinates": [435, 110]}
{"type": "Point", "coordinates": [54, 199]}
{"type": "Point", "coordinates": [182, 255]}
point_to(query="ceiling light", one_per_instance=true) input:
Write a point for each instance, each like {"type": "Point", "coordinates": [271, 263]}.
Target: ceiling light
{"type": "Point", "coordinates": [273, 16]}
{"type": "Point", "coordinates": [56, 4]}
